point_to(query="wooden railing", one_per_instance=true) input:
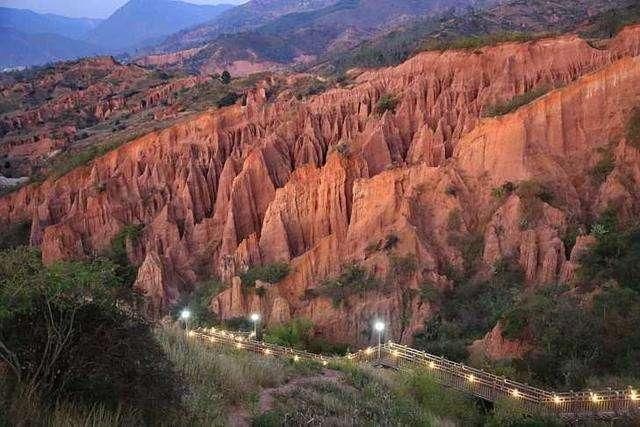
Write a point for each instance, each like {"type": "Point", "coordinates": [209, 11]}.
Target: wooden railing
{"type": "Point", "coordinates": [604, 404]}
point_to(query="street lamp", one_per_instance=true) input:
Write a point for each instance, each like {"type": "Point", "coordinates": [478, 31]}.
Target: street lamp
{"type": "Point", "coordinates": [379, 326]}
{"type": "Point", "coordinates": [255, 318]}
{"type": "Point", "coordinates": [185, 315]}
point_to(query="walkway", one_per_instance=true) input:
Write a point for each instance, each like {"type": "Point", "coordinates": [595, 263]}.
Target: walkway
{"type": "Point", "coordinates": [605, 404]}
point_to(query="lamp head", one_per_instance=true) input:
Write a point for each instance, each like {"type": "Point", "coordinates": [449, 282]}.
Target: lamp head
{"type": "Point", "coordinates": [185, 314]}
{"type": "Point", "coordinates": [255, 317]}
{"type": "Point", "coordinates": [379, 326]}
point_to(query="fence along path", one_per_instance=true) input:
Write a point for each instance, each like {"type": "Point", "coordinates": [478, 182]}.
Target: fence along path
{"type": "Point", "coordinates": [605, 404]}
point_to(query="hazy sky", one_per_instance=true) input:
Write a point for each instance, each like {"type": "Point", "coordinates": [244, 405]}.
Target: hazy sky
{"type": "Point", "coordinates": [85, 8]}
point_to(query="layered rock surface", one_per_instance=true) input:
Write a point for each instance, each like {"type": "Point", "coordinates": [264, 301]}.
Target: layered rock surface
{"type": "Point", "coordinates": [322, 182]}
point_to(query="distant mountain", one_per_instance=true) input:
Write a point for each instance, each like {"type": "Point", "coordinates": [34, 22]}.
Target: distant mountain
{"type": "Point", "coordinates": [306, 35]}
{"type": "Point", "coordinates": [141, 22]}
{"type": "Point", "coordinates": [510, 18]}
{"type": "Point", "coordinates": [29, 22]}
{"type": "Point", "coordinates": [249, 15]}
{"type": "Point", "coordinates": [22, 49]}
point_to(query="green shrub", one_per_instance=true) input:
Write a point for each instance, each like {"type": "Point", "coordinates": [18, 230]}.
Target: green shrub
{"type": "Point", "coordinates": [429, 292]}
{"type": "Point", "coordinates": [353, 279]}
{"type": "Point", "coordinates": [225, 77]}
{"type": "Point", "coordinates": [299, 333]}
{"type": "Point", "coordinates": [439, 401]}
{"type": "Point", "coordinates": [229, 99]}
{"type": "Point", "coordinates": [401, 268]}
{"type": "Point", "coordinates": [270, 273]}
{"type": "Point", "coordinates": [615, 255]}
{"type": "Point", "coordinates": [572, 340]}
{"type": "Point", "coordinates": [198, 302]}
{"type": "Point", "coordinates": [470, 246]}
{"type": "Point", "coordinates": [238, 324]}
{"type": "Point", "coordinates": [504, 190]}
{"type": "Point", "coordinates": [118, 252]}
{"type": "Point", "coordinates": [92, 350]}
{"type": "Point", "coordinates": [471, 309]}
{"type": "Point", "coordinates": [633, 129]}
{"type": "Point", "coordinates": [531, 194]}
{"type": "Point", "coordinates": [514, 103]}
{"type": "Point", "coordinates": [454, 220]}
{"type": "Point", "coordinates": [604, 167]}
{"type": "Point", "coordinates": [390, 242]}
{"type": "Point", "coordinates": [386, 102]}
{"type": "Point", "coordinates": [292, 334]}
{"type": "Point", "coordinates": [508, 413]}
{"type": "Point", "coordinates": [15, 235]}
{"type": "Point", "coordinates": [308, 86]}
{"type": "Point", "coordinates": [514, 323]}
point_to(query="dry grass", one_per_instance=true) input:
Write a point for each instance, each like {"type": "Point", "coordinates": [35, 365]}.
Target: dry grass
{"type": "Point", "coordinates": [221, 379]}
{"type": "Point", "coordinates": [360, 397]}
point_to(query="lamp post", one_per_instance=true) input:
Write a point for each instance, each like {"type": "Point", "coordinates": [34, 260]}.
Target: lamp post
{"type": "Point", "coordinates": [379, 326]}
{"type": "Point", "coordinates": [185, 315]}
{"type": "Point", "coordinates": [255, 318]}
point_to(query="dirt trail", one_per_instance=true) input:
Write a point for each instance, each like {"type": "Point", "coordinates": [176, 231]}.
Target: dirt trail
{"type": "Point", "coordinates": [240, 417]}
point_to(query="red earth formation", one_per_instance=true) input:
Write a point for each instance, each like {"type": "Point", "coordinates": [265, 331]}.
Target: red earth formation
{"type": "Point", "coordinates": [322, 182]}
{"type": "Point", "coordinates": [105, 89]}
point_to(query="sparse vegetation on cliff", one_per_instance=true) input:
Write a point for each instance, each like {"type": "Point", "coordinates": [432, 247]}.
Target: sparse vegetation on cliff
{"type": "Point", "coordinates": [633, 129]}
{"type": "Point", "coordinates": [14, 235]}
{"type": "Point", "coordinates": [353, 279]}
{"type": "Point", "coordinates": [532, 195]}
{"type": "Point", "coordinates": [504, 190]}
{"type": "Point", "coordinates": [270, 273]}
{"type": "Point", "coordinates": [502, 108]}
{"type": "Point", "coordinates": [470, 309]}
{"type": "Point", "coordinates": [570, 336]}
{"type": "Point", "coordinates": [604, 167]}
{"type": "Point", "coordinates": [478, 41]}
{"type": "Point", "coordinates": [386, 103]}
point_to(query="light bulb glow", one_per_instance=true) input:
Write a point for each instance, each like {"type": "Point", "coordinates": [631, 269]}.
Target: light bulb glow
{"type": "Point", "coordinates": [185, 314]}
{"type": "Point", "coordinates": [471, 378]}
{"type": "Point", "coordinates": [557, 400]}
{"type": "Point", "coordinates": [255, 317]}
{"type": "Point", "coordinates": [238, 345]}
{"type": "Point", "coordinates": [379, 326]}
{"type": "Point", "coordinates": [595, 398]}
{"type": "Point", "coordinates": [267, 351]}
{"type": "Point", "coordinates": [515, 393]}
{"type": "Point", "coordinates": [432, 365]}
{"type": "Point", "coordinates": [296, 358]}
{"type": "Point", "coordinates": [325, 363]}
{"type": "Point", "coordinates": [634, 395]}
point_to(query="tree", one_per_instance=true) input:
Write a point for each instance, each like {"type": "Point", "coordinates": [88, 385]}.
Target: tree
{"type": "Point", "coordinates": [66, 336]}
{"type": "Point", "coordinates": [225, 78]}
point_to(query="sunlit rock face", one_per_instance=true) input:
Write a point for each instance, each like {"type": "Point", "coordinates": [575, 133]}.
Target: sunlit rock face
{"type": "Point", "coordinates": [330, 180]}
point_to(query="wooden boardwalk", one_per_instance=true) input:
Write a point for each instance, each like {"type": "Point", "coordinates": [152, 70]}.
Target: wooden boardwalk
{"type": "Point", "coordinates": [570, 406]}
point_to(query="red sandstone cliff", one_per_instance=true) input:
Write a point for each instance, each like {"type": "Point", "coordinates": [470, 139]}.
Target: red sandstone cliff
{"type": "Point", "coordinates": [319, 183]}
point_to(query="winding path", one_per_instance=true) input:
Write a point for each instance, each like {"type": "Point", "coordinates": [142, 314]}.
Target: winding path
{"type": "Point", "coordinates": [570, 406]}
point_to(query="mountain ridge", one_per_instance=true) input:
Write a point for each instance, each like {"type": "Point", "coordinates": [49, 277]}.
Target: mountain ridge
{"type": "Point", "coordinates": [154, 19]}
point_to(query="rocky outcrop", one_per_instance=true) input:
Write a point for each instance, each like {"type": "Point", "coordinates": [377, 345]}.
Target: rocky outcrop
{"type": "Point", "coordinates": [494, 346]}
{"type": "Point", "coordinates": [332, 180]}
